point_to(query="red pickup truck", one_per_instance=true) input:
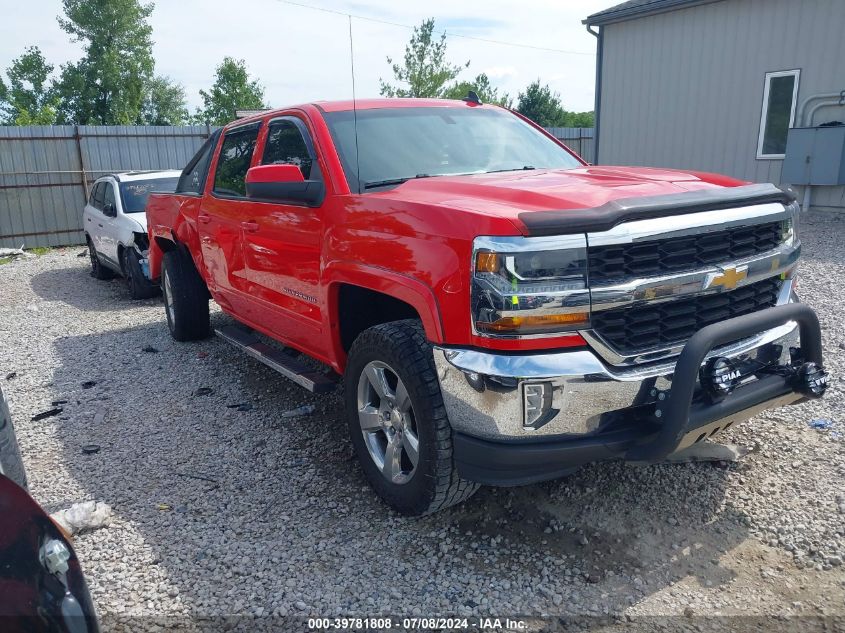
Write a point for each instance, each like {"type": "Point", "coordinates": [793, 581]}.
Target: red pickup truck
{"type": "Point", "coordinates": [499, 311]}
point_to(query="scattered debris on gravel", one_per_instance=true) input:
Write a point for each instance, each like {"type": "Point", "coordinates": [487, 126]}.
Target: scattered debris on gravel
{"type": "Point", "coordinates": [11, 254]}
{"type": "Point", "coordinates": [88, 515]}
{"type": "Point", "coordinates": [246, 500]}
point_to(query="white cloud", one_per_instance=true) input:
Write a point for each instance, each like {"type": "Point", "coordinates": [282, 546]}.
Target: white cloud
{"type": "Point", "coordinates": [301, 54]}
{"type": "Point", "coordinates": [500, 72]}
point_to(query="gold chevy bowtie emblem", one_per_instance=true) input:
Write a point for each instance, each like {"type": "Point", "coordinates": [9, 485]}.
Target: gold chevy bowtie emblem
{"type": "Point", "coordinates": [728, 278]}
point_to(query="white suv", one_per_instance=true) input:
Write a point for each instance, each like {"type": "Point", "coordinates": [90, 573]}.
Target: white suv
{"type": "Point", "coordinates": [115, 226]}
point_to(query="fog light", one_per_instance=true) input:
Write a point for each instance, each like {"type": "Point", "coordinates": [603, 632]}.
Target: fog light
{"type": "Point", "coordinates": [812, 380]}
{"type": "Point", "coordinates": [719, 377]}
{"type": "Point", "coordinates": [537, 403]}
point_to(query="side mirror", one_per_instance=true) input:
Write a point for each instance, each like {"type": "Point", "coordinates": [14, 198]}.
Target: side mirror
{"type": "Point", "coordinates": [283, 183]}
{"type": "Point", "coordinates": [110, 211]}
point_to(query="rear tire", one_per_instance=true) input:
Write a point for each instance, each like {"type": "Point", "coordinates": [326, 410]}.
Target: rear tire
{"type": "Point", "coordinates": [139, 286]}
{"type": "Point", "coordinates": [11, 463]}
{"type": "Point", "coordinates": [397, 420]}
{"type": "Point", "coordinates": [98, 271]}
{"type": "Point", "coordinates": [185, 298]}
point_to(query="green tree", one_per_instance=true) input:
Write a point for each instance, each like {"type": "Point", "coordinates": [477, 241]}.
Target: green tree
{"type": "Point", "coordinates": [482, 87]}
{"type": "Point", "coordinates": [541, 105]}
{"type": "Point", "coordinates": [579, 119]}
{"type": "Point", "coordinates": [28, 99]}
{"type": "Point", "coordinates": [425, 72]}
{"type": "Point", "coordinates": [107, 86]}
{"type": "Point", "coordinates": [164, 103]}
{"type": "Point", "coordinates": [232, 90]}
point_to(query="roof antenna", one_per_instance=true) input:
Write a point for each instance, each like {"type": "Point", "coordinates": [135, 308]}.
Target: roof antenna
{"type": "Point", "coordinates": [472, 98]}
{"type": "Point", "coordinates": [354, 107]}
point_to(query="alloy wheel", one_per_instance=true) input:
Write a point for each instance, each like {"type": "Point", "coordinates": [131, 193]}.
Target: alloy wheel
{"type": "Point", "coordinates": [387, 421]}
{"type": "Point", "coordinates": [168, 297]}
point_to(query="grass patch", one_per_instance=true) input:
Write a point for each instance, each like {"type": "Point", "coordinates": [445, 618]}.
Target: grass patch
{"type": "Point", "coordinates": [5, 260]}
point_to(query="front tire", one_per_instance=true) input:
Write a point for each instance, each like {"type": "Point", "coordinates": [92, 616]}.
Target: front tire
{"type": "Point", "coordinates": [397, 420]}
{"type": "Point", "coordinates": [185, 298]}
{"type": "Point", "coordinates": [138, 285]}
{"type": "Point", "coordinates": [98, 271]}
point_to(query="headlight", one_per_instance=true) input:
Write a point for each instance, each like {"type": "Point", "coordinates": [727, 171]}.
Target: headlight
{"type": "Point", "coordinates": [525, 286]}
{"type": "Point", "coordinates": [789, 227]}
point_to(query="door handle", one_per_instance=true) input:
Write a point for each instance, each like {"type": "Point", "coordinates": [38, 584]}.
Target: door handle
{"type": "Point", "coordinates": [204, 218]}
{"type": "Point", "coordinates": [89, 219]}
{"type": "Point", "coordinates": [100, 225]}
{"type": "Point", "coordinates": [251, 227]}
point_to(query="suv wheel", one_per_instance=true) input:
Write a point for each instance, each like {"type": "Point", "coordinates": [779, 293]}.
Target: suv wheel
{"type": "Point", "coordinates": [185, 298]}
{"type": "Point", "coordinates": [397, 421]}
{"type": "Point", "coordinates": [139, 286]}
{"type": "Point", "coordinates": [98, 271]}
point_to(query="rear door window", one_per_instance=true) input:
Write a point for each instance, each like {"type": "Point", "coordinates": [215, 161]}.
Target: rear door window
{"type": "Point", "coordinates": [234, 161]}
{"type": "Point", "coordinates": [98, 195]}
{"type": "Point", "coordinates": [192, 180]}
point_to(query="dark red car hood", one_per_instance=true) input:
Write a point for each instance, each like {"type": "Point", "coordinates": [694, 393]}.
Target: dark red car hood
{"type": "Point", "coordinates": [508, 194]}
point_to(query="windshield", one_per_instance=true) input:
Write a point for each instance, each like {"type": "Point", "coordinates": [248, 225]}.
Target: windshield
{"type": "Point", "coordinates": [397, 144]}
{"type": "Point", "coordinates": [135, 193]}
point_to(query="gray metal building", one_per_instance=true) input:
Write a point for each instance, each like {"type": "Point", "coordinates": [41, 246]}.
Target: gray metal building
{"type": "Point", "coordinates": [714, 85]}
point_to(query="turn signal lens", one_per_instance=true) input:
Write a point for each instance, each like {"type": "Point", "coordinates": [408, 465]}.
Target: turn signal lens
{"type": "Point", "coordinates": [487, 263]}
{"type": "Point", "coordinates": [533, 324]}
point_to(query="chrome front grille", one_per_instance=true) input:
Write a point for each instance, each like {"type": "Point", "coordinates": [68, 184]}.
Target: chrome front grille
{"type": "Point", "coordinates": [619, 261]}
{"type": "Point", "coordinates": [655, 325]}
{"type": "Point", "coordinates": [656, 282]}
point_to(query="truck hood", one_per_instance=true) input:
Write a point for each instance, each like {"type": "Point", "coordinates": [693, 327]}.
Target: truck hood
{"type": "Point", "coordinates": [509, 194]}
{"type": "Point", "coordinates": [140, 219]}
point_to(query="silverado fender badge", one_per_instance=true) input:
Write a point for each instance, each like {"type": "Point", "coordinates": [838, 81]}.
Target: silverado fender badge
{"type": "Point", "coordinates": [728, 278]}
{"type": "Point", "coordinates": [299, 295]}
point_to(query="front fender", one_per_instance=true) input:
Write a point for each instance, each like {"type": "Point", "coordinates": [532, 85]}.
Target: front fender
{"type": "Point", "coordinates": [403, 287]}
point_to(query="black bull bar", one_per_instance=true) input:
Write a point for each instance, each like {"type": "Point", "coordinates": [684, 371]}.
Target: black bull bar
{"type": "Point", "coordinates": [680, 415]}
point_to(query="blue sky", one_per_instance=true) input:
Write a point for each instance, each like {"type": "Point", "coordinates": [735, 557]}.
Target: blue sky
{"type": "Point", "coordinates": [301, 54]}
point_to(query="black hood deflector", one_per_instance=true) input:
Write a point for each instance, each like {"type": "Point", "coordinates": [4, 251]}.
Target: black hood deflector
{"type": "Point", "coordinates": [615, 212]}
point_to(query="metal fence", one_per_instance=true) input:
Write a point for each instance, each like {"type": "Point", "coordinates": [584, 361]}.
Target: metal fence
{"type": "Point", "coordinates": [578, 139]}
{"type": "Point", "coordinates": [46, 171]}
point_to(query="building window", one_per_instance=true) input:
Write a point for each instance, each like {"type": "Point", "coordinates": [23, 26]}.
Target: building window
{"type": "Point", "coordinates": [779, 96]}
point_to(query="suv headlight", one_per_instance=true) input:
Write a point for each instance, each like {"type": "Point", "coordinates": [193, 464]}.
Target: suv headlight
{"type": "Point", "coordinates": [523, 286]}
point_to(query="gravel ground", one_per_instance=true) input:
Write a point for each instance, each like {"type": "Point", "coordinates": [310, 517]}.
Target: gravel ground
{"type": "Point", "coordinates": [226, 510]}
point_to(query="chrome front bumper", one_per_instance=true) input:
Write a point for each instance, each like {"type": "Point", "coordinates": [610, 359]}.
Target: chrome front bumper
{"type": "Point", "coordinates": [484, 391]}
{"type": "Point", "coordinates": [592, 412]}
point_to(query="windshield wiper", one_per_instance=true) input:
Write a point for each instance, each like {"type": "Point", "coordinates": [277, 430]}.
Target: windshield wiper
{"type": "Point", "coordinates": [523, 168]}
{"type": "Point", "coordinates": [391, 181]}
